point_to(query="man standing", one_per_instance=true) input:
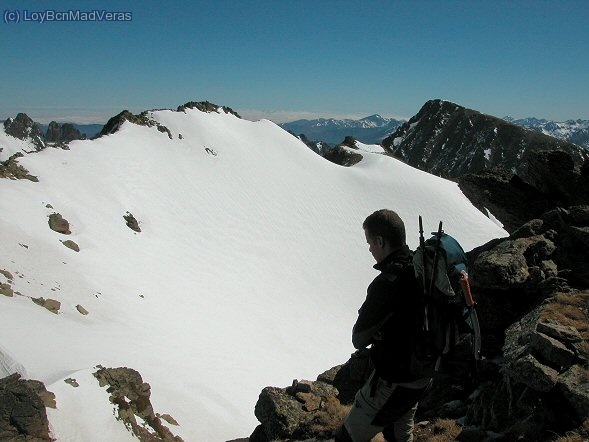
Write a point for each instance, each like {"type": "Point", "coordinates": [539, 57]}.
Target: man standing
{"type": "Point", "coordinates": [387, 320]}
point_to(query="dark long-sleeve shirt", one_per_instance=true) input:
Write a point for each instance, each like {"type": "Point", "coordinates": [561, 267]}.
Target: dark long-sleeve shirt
{"type": "Point", "coordinates": [388, 317]}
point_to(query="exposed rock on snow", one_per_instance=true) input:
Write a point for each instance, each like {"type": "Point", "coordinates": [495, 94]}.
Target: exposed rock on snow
{"type": "Point", "coordinates": [24, 128]}
{"type": "Point", "coordinates": [132, 396]}
{"type": "Point", "coordinates": [71, 245]}
{"type": "Point", "coordinates": [206, 106]}
{"type": "Point", "coordinates": [143, 119]}
{"type": "Point", "coordinates": [50, 304]}
{"type": "Point", "coordinates": [58, 224]}
{"type": "Point", "coordinates": [132, 223]}
{"type": "Point", "coordinates": [22, 410]}
{"type": "Point", "coordinates": [12, 170]}
{"type": "Point", "coordinates": [61, 134]}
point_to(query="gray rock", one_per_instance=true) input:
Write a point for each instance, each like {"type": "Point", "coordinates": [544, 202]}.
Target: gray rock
{"type": "Point", "coordinates": [22, 412]}
{"type": "Point", "coordinates": [552, 350]}
{"type": "Point", "coordinates": [574, 384]}
{"type": "Point", "coordinates": [529, 371]}
{"type": "Point", "coordinates": [58, 224]}
{"type": "Point", "coordinates": [560, 332]}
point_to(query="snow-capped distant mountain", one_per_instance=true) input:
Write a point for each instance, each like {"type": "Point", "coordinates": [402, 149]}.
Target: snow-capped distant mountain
{"type": "Point", "coordinates": [573, 131]}
{"type": "Point", "coordinates": [245, 265]}
{"type": "Point", "coordinates": [370, 130]}
{"type": "Point", "coordinates": [449, 140]}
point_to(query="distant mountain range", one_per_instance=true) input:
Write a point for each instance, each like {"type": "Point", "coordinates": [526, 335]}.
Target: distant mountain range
{"type": "Point", "coordinates": [370, 130]}
{"type": "Point", "coordinates": [323, 134]}
{"type": "Point", "coordinates": [573, 131]}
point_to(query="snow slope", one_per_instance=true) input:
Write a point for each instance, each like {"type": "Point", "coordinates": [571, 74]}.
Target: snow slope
{"type": "Point", "coordinates": [249, 270]}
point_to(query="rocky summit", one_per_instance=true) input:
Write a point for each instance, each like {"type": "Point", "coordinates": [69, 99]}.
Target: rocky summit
{"type": "Point", "coordinates": [449, 140]}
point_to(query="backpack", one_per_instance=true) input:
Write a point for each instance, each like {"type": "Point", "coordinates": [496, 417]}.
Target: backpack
{"type": "Point", "coordinates": [448, 338]}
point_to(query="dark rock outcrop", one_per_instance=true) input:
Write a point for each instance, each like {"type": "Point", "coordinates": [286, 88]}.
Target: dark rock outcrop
{"type": "Point", "coordinates": [62, 134]}
{"type": "Point", "coordinates": [143, 119]}
{"type": "Point", "coordinates": [305, 410]}
{"type": "Point", "coordinates": [132, 397]}
{"type": "Point", "coordinates": [12, 170]}
{"type": "Point", "coordinates": [343, 154]}
{"type": "Point", "coordinates": [22, 410]}
{"type": "Point", "coordinates": [552, 180]}
{"type": "Point", "coordinates": [205, 106]}
{"type": "Point", "coordinates": [319, 147]}
{"type": "Point", "coordinates": [449, 140]}
{"type": "Point", "coordinates": [24, 128]}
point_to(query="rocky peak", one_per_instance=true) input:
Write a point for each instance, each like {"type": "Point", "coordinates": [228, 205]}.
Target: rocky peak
{"type": "Point", "coordinates": [449, 140]}
{"type": "Point", "coordinates": [205, 106]}
{"type": "Point", "coordinates": [62, 133]}
{"type": "Point", "coordinates": [143, 119]}
{"type": "Point", "coordinates": [24, 128]}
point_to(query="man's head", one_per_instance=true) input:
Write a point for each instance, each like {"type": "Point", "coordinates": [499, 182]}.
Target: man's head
{"type": "Point", "coordinates": [385, 233]}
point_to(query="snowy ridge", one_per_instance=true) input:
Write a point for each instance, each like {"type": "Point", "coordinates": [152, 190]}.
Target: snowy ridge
{"type": "Point", "coordinates": [243, 275]}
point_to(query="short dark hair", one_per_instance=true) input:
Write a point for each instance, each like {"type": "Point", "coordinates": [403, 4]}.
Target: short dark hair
{"type": "Point", "coordinates": [388, 224]}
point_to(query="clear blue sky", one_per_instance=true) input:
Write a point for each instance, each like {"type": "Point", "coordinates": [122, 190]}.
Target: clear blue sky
{"type": "Point", "coordinates": [287, 59]}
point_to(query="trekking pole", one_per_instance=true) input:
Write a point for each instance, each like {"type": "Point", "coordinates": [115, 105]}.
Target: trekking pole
{"type": "Point", "coordinates": [423, 277]}
{"type": "Point", "coordinates": [435, 263]}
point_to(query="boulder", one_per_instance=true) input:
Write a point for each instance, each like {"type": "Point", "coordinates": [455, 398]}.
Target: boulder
{"type": "Point", "coordinates": [22, 411]}
{"type": "Point", "coordinates": [305, 410]}
{"type": "Point", "coordinates": [58, 224]}
{"type": "Point", "coordinates": [132, 223]}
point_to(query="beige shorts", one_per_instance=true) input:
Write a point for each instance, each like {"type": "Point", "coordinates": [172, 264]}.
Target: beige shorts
{"type": "Point", "coordinates": [385, 407]}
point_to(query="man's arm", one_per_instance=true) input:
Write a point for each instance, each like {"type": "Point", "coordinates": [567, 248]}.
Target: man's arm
{"type": "Point", "coordinates": [373, 314]}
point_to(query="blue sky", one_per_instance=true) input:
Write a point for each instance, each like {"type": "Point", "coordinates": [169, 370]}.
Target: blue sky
{"type": "Point", "coordinates": [289, 59]}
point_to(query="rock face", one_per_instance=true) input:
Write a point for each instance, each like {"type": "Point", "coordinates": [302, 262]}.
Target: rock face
{"type": "Point", "coordinates": [23, 128]}
{"type": "Point", "coordinates": [12, 170]}
{"type": "Point", "coordinates": [205, 106]}
{"type": "Point", "coordinates": [552, 180]}
{"type": "Point", "coordinates": [143, 119]}
{"type": "Point", "coordinates": [132, 396]}
{"type": "Point", "coordinates": [62, 133]}
{"type": "Point", "coordinates": [22, 410]}
{"type": "Point", "coordinates": [305, 410]}
{"type": "Point", "coordinates": [449, 140]}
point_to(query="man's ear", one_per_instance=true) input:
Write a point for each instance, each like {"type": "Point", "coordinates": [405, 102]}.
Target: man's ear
{"type": "Point", "coordinates": [380, 241]}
